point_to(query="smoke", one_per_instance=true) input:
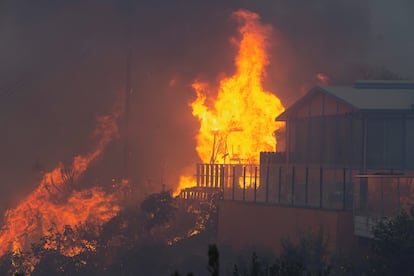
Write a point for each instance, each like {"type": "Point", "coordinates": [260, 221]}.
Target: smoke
{"type": "Point", "coordinates": [393, 44]}
{"type": "Point", "coordinates": [63, 63]}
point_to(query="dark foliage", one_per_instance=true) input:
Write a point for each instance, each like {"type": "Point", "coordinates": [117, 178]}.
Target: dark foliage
{"type": "Point", "coordinates": [393, 247]}
{"type": "Point", "coordinates": [159, 209]}
{"type": "Point", "coordinates": [178, 274]}
{"type": "Point", "coordinates": [125, 229]}
{"type": "Point", "coordinates": [308, 256]}
{"type": "Point", "coordinates": [55, 251]}
{"type": "Point", "coordinates": [213, 260]}
{"type": "Point", "coordinates": [152, 238]}
{"type": "Point", "coordinates": [14, 264]}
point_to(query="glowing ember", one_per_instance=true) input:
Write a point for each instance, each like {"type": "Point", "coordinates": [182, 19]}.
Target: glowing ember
{"type": "Point", "coordinates": [239, 122]}
{"type": "Point", "coordinates": [55, 203]}
{"type": "Point", "coordinates": [322, 78]}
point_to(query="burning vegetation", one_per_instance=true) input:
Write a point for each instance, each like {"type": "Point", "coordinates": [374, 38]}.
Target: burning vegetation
{"type": "Point", "coordinates": [60, 204]}
{"type": "Point", "coordinates": [237, 120]}
{"type": "Point", "coordinates": [78, 227]}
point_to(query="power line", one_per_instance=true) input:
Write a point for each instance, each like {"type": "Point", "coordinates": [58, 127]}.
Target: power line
{"type": "Point", "coordinates": [128, 87]}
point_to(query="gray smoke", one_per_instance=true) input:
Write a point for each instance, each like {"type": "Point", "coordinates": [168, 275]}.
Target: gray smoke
{"type": "Point", "coordinates": [63, 63]}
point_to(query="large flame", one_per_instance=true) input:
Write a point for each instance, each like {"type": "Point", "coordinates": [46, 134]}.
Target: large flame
{"type": "Point", "coordinates": [237, 122]}
{"type": "Point", "coordinates": [56, 202]}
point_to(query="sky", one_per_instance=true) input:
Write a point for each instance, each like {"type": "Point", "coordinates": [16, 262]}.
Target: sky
{"type": "Point", "coordinates": [64, 62]}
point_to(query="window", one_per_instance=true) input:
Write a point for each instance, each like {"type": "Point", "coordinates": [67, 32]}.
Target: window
{"type": "Point", "coordinates": [384, 143]}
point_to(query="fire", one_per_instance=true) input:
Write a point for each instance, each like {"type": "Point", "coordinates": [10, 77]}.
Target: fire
{"type": "Point", "coordinates": [322, 78]}
{"type": "Point", "coordinates": [237, 121]}
{"type": "Point", "coordinates": [58, 202]}
{"type": "Point", "coordinates": [185, 182]}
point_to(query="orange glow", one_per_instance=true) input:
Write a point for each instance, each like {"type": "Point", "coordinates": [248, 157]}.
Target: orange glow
{"type": "Point", "coordinates": [237, 121]}
{"type": "Point", "coordinates": [322, 78]}
{"type": "Point", "coordinates": [58, 202]}
{"type": "Point", "coordinates": [185, 182]}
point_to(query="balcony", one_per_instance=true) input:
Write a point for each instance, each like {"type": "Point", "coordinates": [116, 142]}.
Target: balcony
{"type": "Point", "coordinates": [378, 196]}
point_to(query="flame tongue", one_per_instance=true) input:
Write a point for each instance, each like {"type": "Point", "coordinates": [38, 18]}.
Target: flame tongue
{"type": "Point", "coordinates": [239, 123]}
{"type": "Point", "coordinates": [56, 204]}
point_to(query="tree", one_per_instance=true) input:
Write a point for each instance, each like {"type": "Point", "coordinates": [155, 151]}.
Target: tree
{"type": "Point", "coordinates": [70, 252]}
{"type": "Point", "coordinates": [213, 260]}
{"type": "Point", "coordinates": [16, 263]}
{"type": "Point", "coordinates": [306, 257]}
{"type": "Point", "coordinates": [309, 254]}
{"type": "Point", "coordinates": [393, 246]}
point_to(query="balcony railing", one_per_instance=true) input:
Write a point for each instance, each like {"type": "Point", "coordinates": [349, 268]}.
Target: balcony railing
{"type": "Point", "coordinates": [301, 186]}
{"type": "Point", "coordinates": [383, 195]}
{"type": "Point", "coordinates": [378, 196]}
{"type": "Point", "coordinates": [371, 195]}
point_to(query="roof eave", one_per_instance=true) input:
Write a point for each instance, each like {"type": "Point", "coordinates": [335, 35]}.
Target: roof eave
{"type": "Point", "coordinates": [284, 115]}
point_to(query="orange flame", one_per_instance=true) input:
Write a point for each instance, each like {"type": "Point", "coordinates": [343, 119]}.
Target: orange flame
{"type": "Point", "coordinates": [322, 79]}
{"type": "Point", "coordinates": [56, 204]}
{"type": "Point", "coordinates": [240, 122]}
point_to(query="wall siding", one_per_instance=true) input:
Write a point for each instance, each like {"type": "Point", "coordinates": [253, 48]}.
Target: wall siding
{"type": "Point", "coordinates": [259, 225]}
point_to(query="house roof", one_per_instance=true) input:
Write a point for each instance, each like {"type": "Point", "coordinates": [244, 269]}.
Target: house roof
{"type": "Point", "coordinates": [365, 96]}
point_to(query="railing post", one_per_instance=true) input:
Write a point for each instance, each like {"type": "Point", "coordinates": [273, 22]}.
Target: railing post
{"type": "Point", "coordinates": [221, 183]}
{"type": "Point", "coordinates": [267, 183]}
{"type": "Point", "coordinates": [216, 178]}
{"type": "Point", "coordinates": [255, 183]}
{"type": "Point", "coordinates": [344, 190]}
{"type": "Point", "coordinates": [363, 194]}
{"type": "Point", "coordinates": [212, 175]}
{"type": "Point", "coordinates": [280, 184]}
{"type": "Point", "coordinates": [320, 187]}
{"type": "Point", "coordinates": [207, 171]}
{"type": "Point", "coordinates": [244, 183]}
{"type": "Point", "coordinates": [351, 188]}
{"type": "Point", "coordinates": [251, 176]}
{"type": "Point", "coordinates": [306, 185]}
{"type": "Point", "coordinates": [398, 194]}
{"type": "Point", "coordinates": [234, 182]}
{"type": "Point", "coordinates": [292, 196]}
{"type": "Point", "coordinates": [201, 175]}
{"type": "Point", "coordinates": [382, 196]}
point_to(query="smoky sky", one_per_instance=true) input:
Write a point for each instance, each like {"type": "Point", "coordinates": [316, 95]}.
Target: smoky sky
{"type": "Point", "coordinates": [64, 62]}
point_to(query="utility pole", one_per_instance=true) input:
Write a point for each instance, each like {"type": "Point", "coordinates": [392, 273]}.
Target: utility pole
{"type": "Point", "coordinates": [128, 91]}
{"type": "Point", "coordinates": [128, 86]}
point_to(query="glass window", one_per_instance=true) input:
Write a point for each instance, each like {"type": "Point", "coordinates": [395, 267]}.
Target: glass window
{"type": "Point", "coordinates": [314, 151]}
{"type": "Point", "coordinates": [375, 143]}
{"type": "Point", "coordinates": [384, 143]}
{"type": "Point", "coordinates": [393, 143]}
{"type": "Point", "coordinates": [301, 140]}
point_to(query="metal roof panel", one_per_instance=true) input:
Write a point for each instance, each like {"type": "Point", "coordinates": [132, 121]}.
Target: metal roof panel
{"type": "Point", "coordinates": [374, 98]}
{"type": "Point", "coordinates": [365, 95]}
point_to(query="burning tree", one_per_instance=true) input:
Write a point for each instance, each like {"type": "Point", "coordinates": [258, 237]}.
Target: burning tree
{"type": "Point", "coordinates": [59, 205]}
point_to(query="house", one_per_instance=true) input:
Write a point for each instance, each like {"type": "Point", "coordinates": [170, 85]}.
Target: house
{"type": "Point", "coordinates": [348, 160]}
{"type": "Point", "coordinates": [368, 127]}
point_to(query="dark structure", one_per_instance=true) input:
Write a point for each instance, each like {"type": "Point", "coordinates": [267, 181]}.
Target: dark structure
{"type": "Point", "coordinates": [368, 127]}
{"type": "Point", "coordinates": [348, 160]}
{"type": "Point", "coordinates": [367, 132]}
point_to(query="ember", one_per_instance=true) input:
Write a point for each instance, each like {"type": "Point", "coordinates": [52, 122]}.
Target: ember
{"type": "Point", "coordinates": [322, 78]}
